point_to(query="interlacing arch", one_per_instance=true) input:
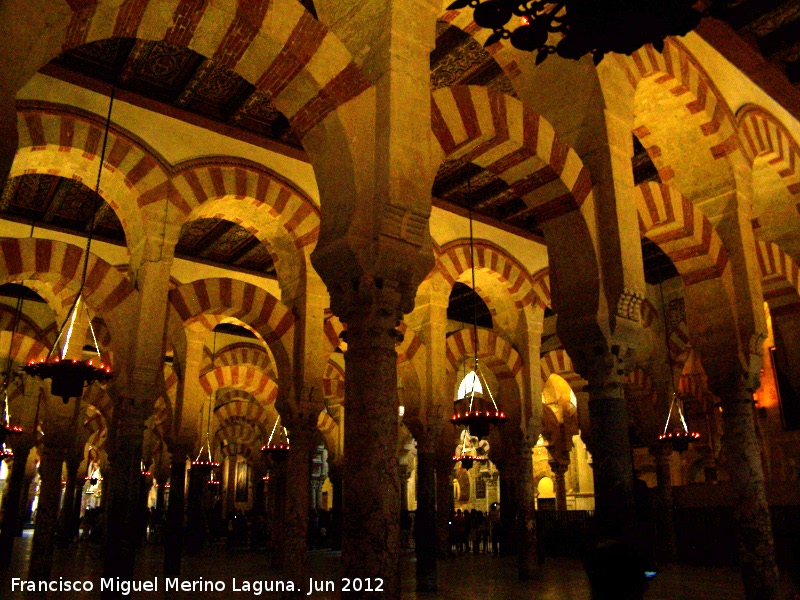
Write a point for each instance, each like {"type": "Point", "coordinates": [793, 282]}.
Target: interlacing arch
{"type": "Point", "coordinates": [480, 125]}
{"type": "Point", "coordinates": [251, 305]}
{"type": "Point", "coordinates": [638, 384]}
{"type": "Point", "coordinates": [230, 449]}
{"type": "Point", "coordinates": [678, 227]}
{"type": "Point", "coordinates": [106, 293]}
{"type": "Point", "coordinates": [98, 397]}
{"type": "Point", "coordinates": [780, 279]}
{"type": "Point", "coordinates": [95, 425]}
{"type": "Point", "coordinates": [273, 44]}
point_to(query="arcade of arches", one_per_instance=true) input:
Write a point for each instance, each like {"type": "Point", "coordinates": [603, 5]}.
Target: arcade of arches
{"type": "Point", "coordinates": [282, 234]}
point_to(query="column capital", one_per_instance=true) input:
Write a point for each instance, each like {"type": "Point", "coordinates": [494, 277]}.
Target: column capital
{"type": "Point", "coordinates": [372, 309]}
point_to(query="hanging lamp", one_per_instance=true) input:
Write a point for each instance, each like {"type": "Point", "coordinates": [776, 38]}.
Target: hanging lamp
{"type": "Point", "coordinates": [472, 410]}
{"type": "Point", "coordinates": [676, 431]}
{"type": "Point", "coordinates": [204, 461]}
{"type": "Point", "coordinates": [468, 453]}
{"type": "Point", "coordinates": [70, 376]}
{"type": "Point", "coordinates": [277, 448]}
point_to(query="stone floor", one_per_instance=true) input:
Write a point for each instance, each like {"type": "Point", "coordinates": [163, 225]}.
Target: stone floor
{"type": "Point", "coordinates": [483, 577]}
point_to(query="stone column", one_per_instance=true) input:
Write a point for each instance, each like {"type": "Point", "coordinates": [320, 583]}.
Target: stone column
{"type": "Point", "coordinates": [230, 488]}
{"type": "Point", "coordinates": [44, 534]}
{"type": "Point", "coordinates": [425, 523]}
{"type": "Point", "coordinates": [525, 535]}
{"type": "Point", "coordinates": [173, 531]}
{"type": "Point", "coordinates": [666, 548]}
{"type": "Point", "coordinates": [402, 471]}
{"type": "Point", "coordinates": [12, 502]}
{"type": "Point", "coordinates": [743, 462]}
{"type": "Point", "coordinates": [65, 518]}
{"type": "Point", "coordinates": [444, 503]}
{"type": "Point", "coordinates": [122, 500]}
{"type": "Point", "coordinates": [370, 543]}
{"type": "Point", "coordinates": [259, 484]}
{"type": "Point", "coordinates": [302, 436]}
{"type": "Point", "coordinates": [611, 455]}
{"type": "Point", "coordinates": [278, 508]}
{"type": "Point", "coordinates": [335, 475]}
{"type": "Point", "coordinates": [196, 520]}
{"type": "Point", "coordinates": [509, 495]}
{"type": "Point", "coordinates": [559, 471]}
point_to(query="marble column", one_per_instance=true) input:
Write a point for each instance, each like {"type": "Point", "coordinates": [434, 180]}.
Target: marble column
{"type": "Point", "coordinates": [44, 534]}
{"type": "Point", "coordinates": [302, 436]}
{"type": "Point", "coordinates": [278, 507]}
{"type": "Point", "coordinates": [230, 488]}
{"type": "Point", "coordinates": [402, 471]}
{"type": "Point", "coordinates": [509, 494]}
{"type": "Point", "coordinates": [666, 548]}
{"type": "Point", "coordinates": [371, 533]}
{"type": "Point", "coordinates": [12, 503]}
{"type": "Point", "coordinates": [559, 471]}
{"type": "Point", "coordinates": [66, 527]}
{"type": "Point", "coordinates": [751, 510]}
{"type": "Point", "coordinates": [425, 523]}
{"type": "Point", "coordinates": [173, 538]}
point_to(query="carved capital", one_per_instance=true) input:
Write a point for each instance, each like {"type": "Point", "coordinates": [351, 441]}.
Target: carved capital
{"type": "Point", "coordinates": [372, 309]}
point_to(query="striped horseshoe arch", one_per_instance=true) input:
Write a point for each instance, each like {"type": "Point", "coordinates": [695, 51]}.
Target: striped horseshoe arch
{"type": "Point", "coordinates": [245, 353]}
{"type": "Point", "coordinates": [684, 234]}
{"type": "Point", "coordinates": [271, 43]}
{"type": "Point", "coordinates": [780, 279]}
{"type": "Point", "coordinates": [242, 377]}
{"type": "Point", "coordinates": [558, 362]}
{"type": "Point", "coordinates": [496, 353]}
{"type": "Point", "coordinates": [480, 125]}
{"type": "Point", "coordinates": [107, 293]}
{"type": "Point", "coordinates": [764, 136]}
{"type": "Point", "coordinates": [454, 261]}
{"type": "Point", "coordinates": [253, 306]}
{"type": "Point", "coordinates": [680, 72]}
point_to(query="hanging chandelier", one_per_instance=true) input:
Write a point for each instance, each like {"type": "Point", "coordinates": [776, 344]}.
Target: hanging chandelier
{"type": "Point", "coordinates": [676, 431]}
{"type": "Point", "coordinates": [470, 450]}
{"type": "Point", "coordinates": [204, 462]}
{"type": "Point", "coordinates": [574, 28]}
{"type": "Point", "coordinates": [70, 376]}
{"type": "Point", "coordinates": [277, 447]}
{"type": "Point", "coordinates": [472, 409]}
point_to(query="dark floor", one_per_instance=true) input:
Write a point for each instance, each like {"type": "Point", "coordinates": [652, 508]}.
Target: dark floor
{"type": "Point", "coordinates": [476, 577]}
